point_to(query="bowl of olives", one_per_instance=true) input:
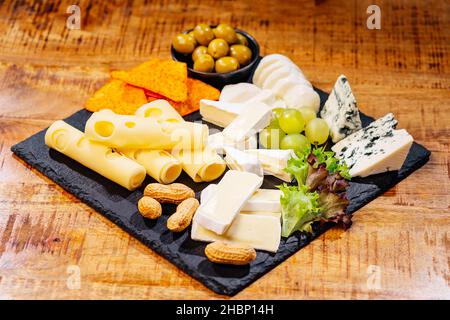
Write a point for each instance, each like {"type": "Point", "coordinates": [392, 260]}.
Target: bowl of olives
{"type": "Point", "coordinates": [218, 55]}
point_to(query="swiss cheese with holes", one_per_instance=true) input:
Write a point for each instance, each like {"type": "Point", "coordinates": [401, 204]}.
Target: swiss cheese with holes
{"type": "Point", "coordinates": [112, 165]}
{"type": "Point", "coordinates": [131, 131]}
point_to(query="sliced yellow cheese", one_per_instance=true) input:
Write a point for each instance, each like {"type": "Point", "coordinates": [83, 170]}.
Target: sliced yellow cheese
{"type": "Point", "coordinates": [97, 157]}
{"type": "Point", "coordinates": [160, 110]}
{"type": "Point", "coordinates": [131, 131]}
{"type": "Point", "coordinates": [200, 165]}
{"type": "Point", "coordinates": [259, 231]}
{"type": "Point", "coordinates": [159, 164]}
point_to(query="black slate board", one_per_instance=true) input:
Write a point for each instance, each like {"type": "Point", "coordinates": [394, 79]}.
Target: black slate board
{"type": "Point", "coordinates": [119, 205]}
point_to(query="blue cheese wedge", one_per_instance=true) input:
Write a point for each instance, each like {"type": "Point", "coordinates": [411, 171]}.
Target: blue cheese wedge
{"type": "Point", "coordinates": [375, 149]}
{"type": "Point", "coordinates": [341, 111]}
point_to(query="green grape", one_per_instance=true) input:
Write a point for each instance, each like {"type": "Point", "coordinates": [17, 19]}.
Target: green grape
{"type": "Point", "coordinates": [308, 114]}
{"type": "Point", "coordinates": [291, 121]}
{"type": "Point", "coordinates": [273, 124]}
{"type": "Point", "coordinates": [317, 131]}
{"type": "Point", "coordinates": [277, 112]}
{"type": "Point", "coordinates": [295, 141]}
{"type": "Point", "coordinates": [270, 138]}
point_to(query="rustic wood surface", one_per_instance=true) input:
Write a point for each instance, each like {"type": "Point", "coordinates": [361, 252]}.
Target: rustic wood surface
{"type": "Point", "coordinates": [399, 244]}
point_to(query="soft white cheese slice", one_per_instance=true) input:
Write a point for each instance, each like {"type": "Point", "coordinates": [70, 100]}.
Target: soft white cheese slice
{"type": "Point", "coordinates": [274, 161]}
{"type": "Point", "coordinates": [259, 231]}
{"type": "Point", "coordinates": [239, 92]}
{"type": "Point", "coordinates": [248, 93]}
{"type": "Point", "coordinates": [235, 188]}
{"type": "Point", "coordinates": [241, 161]}
{"type": "Point", "coordinates": [220, 113]}
{"type": "Point", "coordinates": [282, 86]}
{"type": "Point", "coordinates": [263, 71]}
{"type": "Point", "coordinates": [264, 67]}
{"type": "Point", "coordinates": [250, 121]}
{"type": "Point", "coordinates": [263, 200]}
{"type": "Point", "coordinates": [302, 96]}
{"type": "Point", "coordinates": [217, 142]}
{"type": "Point", "coordinates": [284, 72]}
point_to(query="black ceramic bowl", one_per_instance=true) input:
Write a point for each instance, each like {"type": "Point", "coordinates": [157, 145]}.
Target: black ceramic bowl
{"type": "Point", "coordinates": [219, 80]}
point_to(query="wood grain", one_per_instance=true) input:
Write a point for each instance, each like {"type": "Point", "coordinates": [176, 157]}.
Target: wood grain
{"type": "Point", "coordinates": [47, 71]}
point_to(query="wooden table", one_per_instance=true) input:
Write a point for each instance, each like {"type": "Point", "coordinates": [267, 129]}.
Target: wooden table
{"type": "Point", "coordinates": [399, 244]}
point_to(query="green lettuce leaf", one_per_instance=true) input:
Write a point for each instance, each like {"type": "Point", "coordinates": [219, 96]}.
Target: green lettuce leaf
{"type": "Point", "coordinates": [332, 208]}
{"type": "Point", "coordinates": [319, 156]}
{"type": "Point", "coordinates": [298, 167]}
{"type": "Point", "coordinates": [299, 208]}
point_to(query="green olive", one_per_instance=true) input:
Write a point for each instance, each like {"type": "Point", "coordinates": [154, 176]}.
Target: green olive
{"type": "Point", "coordinates": [226, 64]}
{"type": "Point", "coordinates": [204, 63]}
{"type": "Point", "coordinates": [226, 32]}
{"type": "Point", "coordinates": [191, 34]}
{"type": "Point", "coordinates": [242, 39]}
{"type": "Point", "coordinates": [182, 43]}
{"type": "Point", "coordinates": [199, 51]}
{"type": "Point", "coordinates": [203, 34]}
{"type": "Point", "coordinates": [242, 53]}
{"type": "Point", "coordinates": [218, 48]}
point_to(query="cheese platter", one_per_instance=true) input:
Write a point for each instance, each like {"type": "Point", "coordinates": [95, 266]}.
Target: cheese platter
{"type": "Point", "coordinates": [225, 184]}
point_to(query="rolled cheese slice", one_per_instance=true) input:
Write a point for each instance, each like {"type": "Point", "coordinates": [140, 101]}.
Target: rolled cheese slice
{"type": "Point", "coordinates": [159, 164]}
{"type": "Point", "coordinates": [131, 131]}
{"type": "Point", "coordinates": [159, 110]}
{"type": "Point", "coordinates": [201, 165]}
{"type": "Point", "coordinates": [112, 165]}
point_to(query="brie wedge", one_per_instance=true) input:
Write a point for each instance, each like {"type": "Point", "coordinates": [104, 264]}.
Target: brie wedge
{"type": "Point", "coordinates": [253, 119]}
{"type": "Point", "coordinates": [219, 211]}
{"type": "Point", "coordinates": [259, 231]}
{"type": "Point", "coordinates": [241, 161]}
{"type": "Point", "coordinates": [217, 142]}
{"type": "Point", "coordinates": [263, 200]}
{"type": "Point", "coordinates": [274, 161]}
{"type": "Point", "coordinates": [220, 113]}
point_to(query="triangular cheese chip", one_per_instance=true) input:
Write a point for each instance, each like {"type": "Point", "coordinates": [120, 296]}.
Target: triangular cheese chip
{"type": "Point", "coordinates": [165, 77]}
{"type": "Point", "coordinates": [117, 96]}
{"type": "Point", "coordinates": [197, 90]}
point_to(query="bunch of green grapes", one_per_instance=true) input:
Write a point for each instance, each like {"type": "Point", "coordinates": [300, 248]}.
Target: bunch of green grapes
{"type": "Point", "coordinates": [285, 130]}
